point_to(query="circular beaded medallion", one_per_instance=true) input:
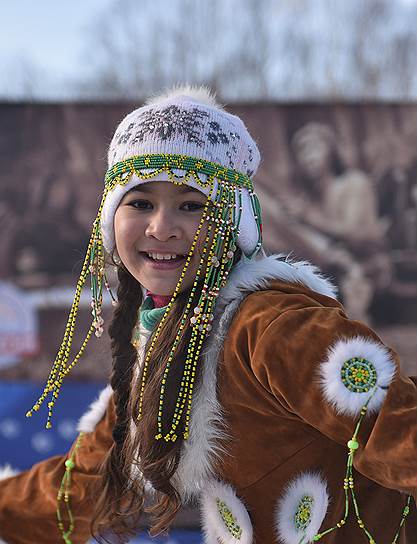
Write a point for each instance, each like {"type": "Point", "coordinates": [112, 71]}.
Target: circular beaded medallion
{"type": "Point", "coordinates": [302, 516]}
{"type": "Point", "coordinates": [358, 375]}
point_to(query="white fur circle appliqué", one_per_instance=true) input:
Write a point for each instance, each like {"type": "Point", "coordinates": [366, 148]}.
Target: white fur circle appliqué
{"type": "Point", "coordinates": [224, 516]}
{"type": "Point", "coordinates": [355, 370]}
{"type": "Point", "coordinates": [302, 509]}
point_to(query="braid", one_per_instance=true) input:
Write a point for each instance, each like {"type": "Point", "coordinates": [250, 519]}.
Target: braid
{"type": "Point", "coordinates": [115, 470]}
{"type": "Point", "coordinates": [129, 294]}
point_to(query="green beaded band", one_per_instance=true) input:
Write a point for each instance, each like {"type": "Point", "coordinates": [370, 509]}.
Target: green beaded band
{"type": "Point", "coordinates": [167, 162]}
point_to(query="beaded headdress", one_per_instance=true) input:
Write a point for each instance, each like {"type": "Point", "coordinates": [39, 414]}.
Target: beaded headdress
{"type": "Point", "coordinates": [183, 137]}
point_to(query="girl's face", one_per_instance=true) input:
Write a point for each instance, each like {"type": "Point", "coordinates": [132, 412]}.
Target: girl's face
{"type": "Point", "coordinates": [154, 225]}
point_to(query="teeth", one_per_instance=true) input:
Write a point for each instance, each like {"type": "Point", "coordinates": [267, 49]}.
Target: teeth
{"type": "Point", "coordinates": [161, 257]}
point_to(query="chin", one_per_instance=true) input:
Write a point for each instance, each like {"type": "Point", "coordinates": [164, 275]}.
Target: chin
{"type": "Point", "coordinates": [158, 288]}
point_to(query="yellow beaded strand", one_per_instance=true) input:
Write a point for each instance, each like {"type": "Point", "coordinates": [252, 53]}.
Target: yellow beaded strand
{"type": "Point", "coordinates": [189, 370]}
{"type": "Point", "coordinates": [201, 321]}
{"type": "Point", "coordinates": [186, 371]}
{"type": "Point", "coordinates": [60, 367]}
{"type": "Point", "coordinates": [200, 337]}
{"type": "Point", "coordinates": [169, 306]}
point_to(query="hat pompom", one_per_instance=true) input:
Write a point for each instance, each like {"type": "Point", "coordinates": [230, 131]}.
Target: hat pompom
{"type": "Point", "coordinates": [199, 93]}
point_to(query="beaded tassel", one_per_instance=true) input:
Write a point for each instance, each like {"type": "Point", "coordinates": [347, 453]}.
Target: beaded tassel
{"type": "Point", "coordinates": [94, 266]}
{"type": "Point", "coordinates": [64, 495]}
{"type": "Point", "coordinates": [219, 258]}
{"type": "Point", "coordinates": [216, 262]}
{"type": "Point", "coordinates": [349, 488]}
{"type": "Point", "coordinates": [164, 317]}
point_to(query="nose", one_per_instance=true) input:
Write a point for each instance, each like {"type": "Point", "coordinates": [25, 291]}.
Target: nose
{"type": "Point", "coordinates": [162, 225]}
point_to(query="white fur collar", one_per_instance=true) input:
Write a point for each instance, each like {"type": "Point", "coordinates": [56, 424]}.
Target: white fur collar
{"type": "Point", "coordinates": [95, 412]}
{"type": "Point", "coordinates": [248, 276]}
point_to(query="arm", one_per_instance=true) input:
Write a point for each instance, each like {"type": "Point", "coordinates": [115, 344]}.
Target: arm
{"type": "Point", "coordinates": [298, 358]}
{"type": "Point", "coordinates": [28, 501]}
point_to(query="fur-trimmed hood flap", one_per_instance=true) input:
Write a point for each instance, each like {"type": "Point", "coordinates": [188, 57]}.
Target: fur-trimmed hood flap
{"type": "Point", "coordinates": [256, 275]}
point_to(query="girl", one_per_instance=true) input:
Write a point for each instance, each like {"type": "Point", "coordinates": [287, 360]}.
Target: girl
{"type": "Point", "coordinates": [238, 380]}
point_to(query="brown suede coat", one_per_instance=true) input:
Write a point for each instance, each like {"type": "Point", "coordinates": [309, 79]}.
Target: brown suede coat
{"type": "Point", "coordinates": [279, 424]}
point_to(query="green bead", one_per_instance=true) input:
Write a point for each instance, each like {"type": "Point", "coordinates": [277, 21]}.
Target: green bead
{"type": "Point", "coordinates": [353, 445]}
{"type": "Point", "coordinates": [69, 463]}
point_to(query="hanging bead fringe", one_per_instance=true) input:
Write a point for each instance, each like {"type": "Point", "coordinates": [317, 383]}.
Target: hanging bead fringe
{"type": "Point", "coordinates": [349, 489]}
{"type": "Point", "coordinates": [64, 495]}
{"type": "Point", "coordinates": [222, 214]}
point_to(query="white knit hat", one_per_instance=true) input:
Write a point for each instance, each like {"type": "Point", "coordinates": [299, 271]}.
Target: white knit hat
{"type": "Point", "coordinates": [185, 121]}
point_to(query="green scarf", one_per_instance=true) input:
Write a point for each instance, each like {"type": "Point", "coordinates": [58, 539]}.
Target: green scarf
{"type": "Point", "coordinates": [150, 316]}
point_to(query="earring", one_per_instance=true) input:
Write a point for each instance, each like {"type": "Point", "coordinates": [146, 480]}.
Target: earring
{"type": "Point", "coordinates": [116, 259]}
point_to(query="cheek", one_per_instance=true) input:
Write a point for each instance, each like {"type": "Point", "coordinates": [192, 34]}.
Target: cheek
{"type": "Point", "coordinates": [126, 230]}
{"type": "Point", "coordinates": [202, 239]}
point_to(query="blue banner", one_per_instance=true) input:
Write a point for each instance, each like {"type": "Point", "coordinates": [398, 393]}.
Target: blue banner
{"type": "Point", "coordinates": [175, 537]}
{"type": "Point", "coordinates": [25, 441]}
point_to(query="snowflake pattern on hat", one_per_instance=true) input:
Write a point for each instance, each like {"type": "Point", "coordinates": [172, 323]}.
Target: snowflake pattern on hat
{"type": "Point", "coordinates": [164, 124]}
{"type": "Point", "coordinates": [177, 124]}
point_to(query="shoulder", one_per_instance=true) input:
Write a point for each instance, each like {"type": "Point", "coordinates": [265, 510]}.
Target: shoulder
{"type": "Point", "coordinates": [281, 301]}
{"type": "Point", "coordinates": [97, 410]}
{"type": "Point", "coordinates": [258, 291]}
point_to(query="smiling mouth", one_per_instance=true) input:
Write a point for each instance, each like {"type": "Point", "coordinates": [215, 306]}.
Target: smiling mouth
{"type": "Point", "coordinates": [163, 257]}
{"type": "Point", "coordinates": [165, 261]}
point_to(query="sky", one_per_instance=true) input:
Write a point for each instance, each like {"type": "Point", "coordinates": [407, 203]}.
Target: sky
{"type": "Point", "coordinates": [43, 43]}
{"type": "Point", "coordinates": [48, 33]}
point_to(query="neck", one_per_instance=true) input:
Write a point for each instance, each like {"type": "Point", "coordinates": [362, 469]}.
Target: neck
{"type": "Point", "coordinates": [159, 301]}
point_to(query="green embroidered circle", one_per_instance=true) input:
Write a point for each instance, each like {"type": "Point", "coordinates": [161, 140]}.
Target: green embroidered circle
{"type": "Point", "coordinates": [228, 519]}
{"type": "Point", "coordinates": [302, 517]}
{"type": "Point", "coordinates": [358, 375]}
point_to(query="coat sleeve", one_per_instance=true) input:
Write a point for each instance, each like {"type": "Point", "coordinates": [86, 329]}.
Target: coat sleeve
{"type": "Point", "coordinates": [324, 368]}
{"type": "Point", "coordinates": [28, 501]}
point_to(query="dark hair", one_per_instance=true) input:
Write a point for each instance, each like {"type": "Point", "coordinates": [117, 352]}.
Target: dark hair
{"type": "Point", "coordinates": [136, 457]}
{"type": "Point", "coordinates": [121, 500]}
{"type": "Point", "coordinates": [115, 478]}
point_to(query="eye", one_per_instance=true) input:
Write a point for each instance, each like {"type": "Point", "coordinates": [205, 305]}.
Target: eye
{"type": "Point", "coordinates": [192, 206]}
{"type": "Point", "coordinates": [140, 204]}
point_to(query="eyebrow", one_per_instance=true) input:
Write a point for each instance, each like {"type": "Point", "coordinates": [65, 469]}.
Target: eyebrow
{"type": "Point", "coordinates": [182, 189]}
